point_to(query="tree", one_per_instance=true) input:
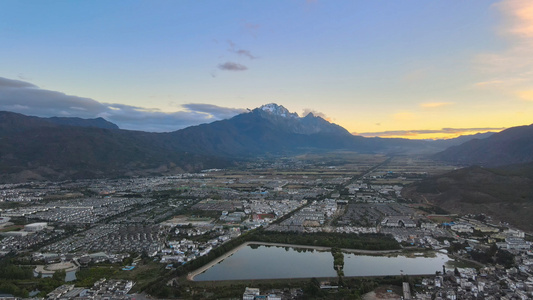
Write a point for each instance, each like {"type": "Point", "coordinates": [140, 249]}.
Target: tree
{"type": "Point", "coordinates": [493, 249]}
{"type": "Point", "coordinates": [505, 258]}
{"type": "Point", "coordinates": [127, 261]}
{"type": "Point", "coordinates": [313, 288]}
{"type": "Point", "coordinates": [59, 275]}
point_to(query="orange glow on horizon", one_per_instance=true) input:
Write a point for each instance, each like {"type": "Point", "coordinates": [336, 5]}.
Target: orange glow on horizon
{"type": "Point", "coordinates": [427, 136]}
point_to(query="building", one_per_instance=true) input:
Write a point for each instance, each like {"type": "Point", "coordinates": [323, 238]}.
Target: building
{"type": "Point", "coordinates": [34, 227]}
{"type": "Point", "coordinates": [513, 243]}
{"type": "Point", "coordinates": [14, 233]}
{"type": "Point", "coordinates": [250, 293]}
{"type": "Point", "coordinates": [462, 227]}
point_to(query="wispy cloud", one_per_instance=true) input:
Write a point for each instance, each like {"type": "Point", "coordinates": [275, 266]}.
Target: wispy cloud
{"type": "Point", "coordinates": [519, 17]}
{"type": "Point", "coordinates": [251, 28]}
{"type": "Point", "coordinates": [490, 83]}
{"type": "Point", "coordinates": [525, 95]}
{"type": "Point", "coordinates": [435, 104]}
{"type": "Point", "coordinates": [27, 98]}
{"type": "Point", "coordinates": [411, 133]}
{"type": "Point", "coordinates": [510, 68]}
{"type": "Point", "coordinates": [246, 53]}
{"type": "Point", "coordinates": [241, 52]}
{"type": "Point", "coordinates": [316, 113]}
{"type": "Point", "coordinates": [215, 111]}
{"type": "Point", "coordinates": [232, 66]}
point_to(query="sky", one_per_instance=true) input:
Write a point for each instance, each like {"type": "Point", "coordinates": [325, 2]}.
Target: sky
{"type": "Point", "coordinates": [412, 68]}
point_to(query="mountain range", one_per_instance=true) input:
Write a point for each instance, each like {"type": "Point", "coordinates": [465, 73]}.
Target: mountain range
{"type": "Point", "coordinates": [511, 146]}
{"type": "Point", "coordinates": [36, 148]}
{"type": "Point", "coordinates": [272, 130]}
{"type": "Point", "coordinates": [40, 148]}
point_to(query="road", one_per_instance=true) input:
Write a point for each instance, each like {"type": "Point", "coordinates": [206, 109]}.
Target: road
{"type": "Point", "coordinates": [192, 274]}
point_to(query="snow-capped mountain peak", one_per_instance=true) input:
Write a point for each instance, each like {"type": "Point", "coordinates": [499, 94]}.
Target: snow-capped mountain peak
{"type": "Point", "coordinates": [278, 110]}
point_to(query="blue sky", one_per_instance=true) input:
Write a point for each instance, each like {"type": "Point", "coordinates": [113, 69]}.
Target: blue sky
{"type": "Point", "coordinates": [373, 67]}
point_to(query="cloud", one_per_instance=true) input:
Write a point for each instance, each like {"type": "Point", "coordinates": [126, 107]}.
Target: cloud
{"type": "Point", "coordinates": [435, 104]}
{"type": "Point", "coordinates": [26, 98]}
{"type": "Point", "coordinates": [241, 52]}
{"type": "Point", "coordinates": [316, 113]}
{"type": "Point", "coordinates": [232, 66]}
{"type": "Point", "coordinates": [215, 111]}
{"type": "Point", "coordinates": [12, 83]}
{"type": "Point", "coordinates": [519, 17]}
{"type": "Point", "coordinates": [246, 53]}
{"type": "Point", "coordinates": [23, 77]}
{"type": "Point", "coordinates": [490, 83]}
{"type": "Point", "coordinates": [428, 131]}
{"type": "Point", "coordinates": [511, 67]}
{"type": "Point", "coordinates": [525, 95]}
{"type": "Point", "coordinates": [252, 28]}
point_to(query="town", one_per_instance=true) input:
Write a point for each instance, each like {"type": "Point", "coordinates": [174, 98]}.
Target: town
{"type": "Point", "coordinates": [68, 231]}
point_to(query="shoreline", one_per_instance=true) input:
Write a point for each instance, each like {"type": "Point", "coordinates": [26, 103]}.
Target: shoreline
{"type": "Point", "coordinates": [191, 275]}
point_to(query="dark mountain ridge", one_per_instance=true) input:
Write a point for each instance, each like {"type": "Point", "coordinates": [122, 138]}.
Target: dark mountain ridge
{"type": "Point", "coordinates": [10, 121]}
{"type": "Point", "coordinates": [59, 148]}
{"type": "Point", "coordinates": [262, 131]}
{"type": "Point", "coordinates": [35, 148]}
{"type": "Point", "coordinates": [510, 146]}
{"type": "Point", "coordinates": [79, 122]}
{"type": "Point", "coordinates": [446, 143]}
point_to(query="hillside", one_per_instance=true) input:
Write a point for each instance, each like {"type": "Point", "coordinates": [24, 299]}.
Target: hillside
{"type": "Point", "coordinates": [79, 122]}
{"type": "Point", "coordinates": [35, 149]}
{"type": "Point", "coordinates": [461, 139]}
{"type": "Point", "coordinates": [510, 146]}
{"type": "Point", "coordinates": [273, 130]}
{"type": "Point", "coordinates": [504, 193]}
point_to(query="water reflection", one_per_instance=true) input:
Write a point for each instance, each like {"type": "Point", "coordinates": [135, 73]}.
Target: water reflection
{"type": "Point", "coordinates": [284, 262]}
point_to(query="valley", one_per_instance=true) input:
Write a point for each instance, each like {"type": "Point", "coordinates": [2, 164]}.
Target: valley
{"type": "Point", "coordinates": [266, 150]}
{"type": "Point", "coordinates": [169, 226]}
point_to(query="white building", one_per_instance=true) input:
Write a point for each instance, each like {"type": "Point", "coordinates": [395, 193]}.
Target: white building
{"type": "Point", "coordinates": [34, 227]}
{"type": "Point", "coordinates": [462, 227]}
{"type": "Point", "coordinates": [250, 293]}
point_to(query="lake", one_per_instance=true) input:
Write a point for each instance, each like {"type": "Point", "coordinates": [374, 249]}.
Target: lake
{"type": "Point", "coordinates": [269, 262]}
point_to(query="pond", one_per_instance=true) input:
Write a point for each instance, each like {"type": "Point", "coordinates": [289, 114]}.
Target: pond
{"type": "Point", "coordinates": [270, 262]}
